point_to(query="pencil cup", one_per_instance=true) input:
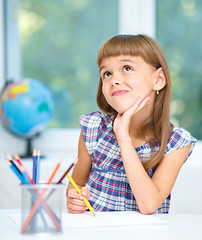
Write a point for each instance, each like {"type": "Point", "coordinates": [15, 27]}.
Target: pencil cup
{"type": "Point", "coordinates": [41, 208]}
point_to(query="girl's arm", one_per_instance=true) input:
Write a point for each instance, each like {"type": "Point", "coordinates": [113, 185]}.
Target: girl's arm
{"type": "Point", "coordinates": [80, 175]}
{"type": "Point", "coordinates": [149, 193]}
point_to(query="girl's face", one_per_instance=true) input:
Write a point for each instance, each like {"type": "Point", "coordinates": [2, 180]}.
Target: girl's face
{"type": "Point", "coordinates": [125, 79]}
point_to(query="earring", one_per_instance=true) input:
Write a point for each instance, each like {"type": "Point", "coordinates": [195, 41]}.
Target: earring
{"type": "Point", "coordinates": [157, 92]}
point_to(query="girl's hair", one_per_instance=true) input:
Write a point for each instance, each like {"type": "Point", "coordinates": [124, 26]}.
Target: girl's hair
{"type": "Point", "coordinates": [152, 53]}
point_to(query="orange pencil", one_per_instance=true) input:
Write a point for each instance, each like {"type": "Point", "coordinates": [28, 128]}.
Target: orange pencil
{"type": "Point", "coordinates": [54, 172]}
{"type": "Point", "coordinates": [34, 208]}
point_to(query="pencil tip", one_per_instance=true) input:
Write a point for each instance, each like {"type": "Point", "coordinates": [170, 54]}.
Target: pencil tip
{"type": "Point", "coordinates": [34, 152]}
{"type": "Point", "coordinates": [75, 162]}
{"type": "Point", "coordinates": [62, 158]}
{"type": "Point", "coordinates": [8, 157]}
{"type": "Point", "coordinates": [94, 214]}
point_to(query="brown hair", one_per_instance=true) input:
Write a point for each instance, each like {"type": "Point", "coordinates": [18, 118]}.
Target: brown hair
{"type": "Point", "coordinates": [152, 53]}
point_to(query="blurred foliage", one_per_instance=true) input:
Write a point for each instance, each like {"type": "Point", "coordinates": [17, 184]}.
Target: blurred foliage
{"type": "Point", "coordinates": [179, 33]}
{"type": "Point", "coordinates": [59, 43]}
{"type": "Point", "coordinates": [60, 40]}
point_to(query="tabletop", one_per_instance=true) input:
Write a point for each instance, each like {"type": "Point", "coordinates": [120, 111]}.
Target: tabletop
{"type": "Point", "coordinates": [177, 226]}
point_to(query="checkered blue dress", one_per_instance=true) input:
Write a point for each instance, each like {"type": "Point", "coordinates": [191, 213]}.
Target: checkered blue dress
{"type": "Point", "coordinates": [108, 183]}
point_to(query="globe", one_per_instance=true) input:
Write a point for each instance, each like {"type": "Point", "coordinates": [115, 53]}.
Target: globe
{"type": "Point", "coordinates": [26, 107]}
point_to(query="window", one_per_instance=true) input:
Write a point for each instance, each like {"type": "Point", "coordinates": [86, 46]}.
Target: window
{"type": "Point", "coordinates": [178, 31]}
{"type": "Point", "coordinates": [59, 41]}
{"type": "Point", "coordinates": [68, 35]}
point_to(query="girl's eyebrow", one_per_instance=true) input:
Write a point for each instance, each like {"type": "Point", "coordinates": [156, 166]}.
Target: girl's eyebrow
{"type": "Point", "coordinates": [101, 68]}
{"type": "Point", "coordinates": [121, 60]}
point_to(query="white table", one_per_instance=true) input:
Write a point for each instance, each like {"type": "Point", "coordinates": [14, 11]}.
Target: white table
{"type": "Point", "coordinates": [178, 226]}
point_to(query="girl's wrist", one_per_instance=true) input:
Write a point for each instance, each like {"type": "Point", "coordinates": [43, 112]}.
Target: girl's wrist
{"type": "Point", "coordinates": [125, 141]}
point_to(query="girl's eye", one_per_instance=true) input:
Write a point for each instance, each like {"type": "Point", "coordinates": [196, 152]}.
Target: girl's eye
{"type": "Point", "coordinates": [106, 74]}
{"type": "Point", "coordinates": [127, 69]}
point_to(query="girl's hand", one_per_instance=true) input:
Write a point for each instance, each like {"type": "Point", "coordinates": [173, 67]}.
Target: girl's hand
{"type": "Point", "coordinates": [75, 203]}
{"type": "Point", "coordinates": [122, 121]}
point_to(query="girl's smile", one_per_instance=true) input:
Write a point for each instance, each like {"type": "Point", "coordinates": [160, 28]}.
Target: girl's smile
{"type": "Point", "coordinates": [119, 92]}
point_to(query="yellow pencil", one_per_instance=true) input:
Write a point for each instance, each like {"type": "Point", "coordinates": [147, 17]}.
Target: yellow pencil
{"type": "Point", "coordinates": [79, 192]}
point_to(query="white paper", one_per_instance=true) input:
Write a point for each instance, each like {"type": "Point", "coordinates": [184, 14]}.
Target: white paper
{"type": "Point", "coordinates": [109, 219]}
{"type": "Point", "coordinates": [102, 219]}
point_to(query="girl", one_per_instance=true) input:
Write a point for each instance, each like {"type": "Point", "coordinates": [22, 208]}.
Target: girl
{"type": "Point", "coordinates": [129, 156]}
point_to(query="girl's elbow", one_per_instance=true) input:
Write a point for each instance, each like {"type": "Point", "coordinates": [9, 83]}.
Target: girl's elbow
{"type": "Point", "coordinates": [147, 210]}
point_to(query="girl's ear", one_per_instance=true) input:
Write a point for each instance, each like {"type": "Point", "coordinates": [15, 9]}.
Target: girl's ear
{"type": "Point", "coordinates": [160, 80]}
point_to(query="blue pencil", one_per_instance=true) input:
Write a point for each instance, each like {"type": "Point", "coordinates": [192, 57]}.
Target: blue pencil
{"type": "Point", "coordinates": [38, 158]}
{"type": "Point", "coordinates": [35, 167]}
{"type": "Point", "coordinates": [15, 170]}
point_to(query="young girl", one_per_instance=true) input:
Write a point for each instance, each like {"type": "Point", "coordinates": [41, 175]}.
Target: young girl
{"type": "Point", "coordinates": [129, 156]}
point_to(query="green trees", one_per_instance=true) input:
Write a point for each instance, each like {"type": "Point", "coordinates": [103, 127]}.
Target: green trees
{"type": "Point", "coordinates": [178, 31]}
{"type": "Point", "coordinates": [60, 40]}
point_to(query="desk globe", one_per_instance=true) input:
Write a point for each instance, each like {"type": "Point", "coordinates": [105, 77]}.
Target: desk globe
{"type": "Point", "coordinates": [26, 108]}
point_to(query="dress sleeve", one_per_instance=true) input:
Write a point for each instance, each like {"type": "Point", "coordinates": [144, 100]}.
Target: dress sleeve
{"type": "Point", "coordinates": [90, 126]}
{"type": "Point", "coordinates": [180, 138]}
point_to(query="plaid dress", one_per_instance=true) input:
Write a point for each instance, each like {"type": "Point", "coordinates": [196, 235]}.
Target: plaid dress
{"type": "Point", "coordinates": [108, 183]}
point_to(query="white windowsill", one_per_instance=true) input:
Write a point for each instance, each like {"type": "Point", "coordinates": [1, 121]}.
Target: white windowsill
{"type": "Point", "coordinates": [52, 142]}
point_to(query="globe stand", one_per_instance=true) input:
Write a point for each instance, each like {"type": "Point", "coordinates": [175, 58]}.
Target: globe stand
{"type": "Point", "coordinates": [29, 149]}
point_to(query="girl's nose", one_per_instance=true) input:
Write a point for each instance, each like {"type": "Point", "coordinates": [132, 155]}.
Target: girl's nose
{"type": "Point", "coordinates": [115, 81]}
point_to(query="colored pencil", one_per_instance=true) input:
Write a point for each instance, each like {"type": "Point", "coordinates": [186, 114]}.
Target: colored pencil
{"type": "Point", "coordinates": [35, 193]}
{"type": "Point", "coordinates": [34, 169]}
{"type": "Point", "coordinates": [34, 208]}
{"type": "Point", "coordinates": [60, 180]}
{"type": "Point", "coordinates": [67, 171]}
{"type": "Point", "coordinates": [38, 158]}
{"type": "Point", "coordinates": [18, 159]}
{"type": "Point", "coordinates": [79, 192]}
{"type": "Point", "coordinates": [15, 170]}
{"type": "Point", "coordinates": [55, 171]}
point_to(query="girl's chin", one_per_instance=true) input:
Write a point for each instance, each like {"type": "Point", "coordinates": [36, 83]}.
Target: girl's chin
{"type": "Point", "coordinates": [122, 110]}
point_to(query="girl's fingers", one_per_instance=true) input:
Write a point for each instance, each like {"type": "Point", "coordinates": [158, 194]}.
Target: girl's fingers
{"type": "Point", "coordinates": [75, 203]}
{"type": "Point", "coordinates": [75, 208]}
{"type": "Point", "coordinates": [85, 192]}
{"type": "Point", "coordinates": [140, 103]}
{"type": "Point", "coordinates": [144, 102]}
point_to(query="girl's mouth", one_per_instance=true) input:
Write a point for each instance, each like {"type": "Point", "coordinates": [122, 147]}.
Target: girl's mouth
{"type": "Point", "coordinates": [119, 92]}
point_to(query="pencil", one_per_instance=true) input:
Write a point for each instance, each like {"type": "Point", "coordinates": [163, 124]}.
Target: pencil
{"type": "Point", "coordinates": [34, 208]}
{"type": "Point", "coordinates": [15, 169]}
{"type": "Point", "coordinates": [54, 172]}
{"type": "Point", "coordinates": [18, 159]}
{"type": "Point", "coordinates": [79, 192]}
{"type": "Point", "coordinates": [38, 158]}
{"type": "Point", "coordinates": [35, 193]}
{"type": "Point", "coordinates": [67, 171]}
{"type": "Point", "coordinates": [34, 169]}
{"type": "Point", "coordinates": [9, 158]}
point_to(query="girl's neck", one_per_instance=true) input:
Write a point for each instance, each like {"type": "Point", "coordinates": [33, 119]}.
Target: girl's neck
{"type": "Point", "coordinates": [136, 125]}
